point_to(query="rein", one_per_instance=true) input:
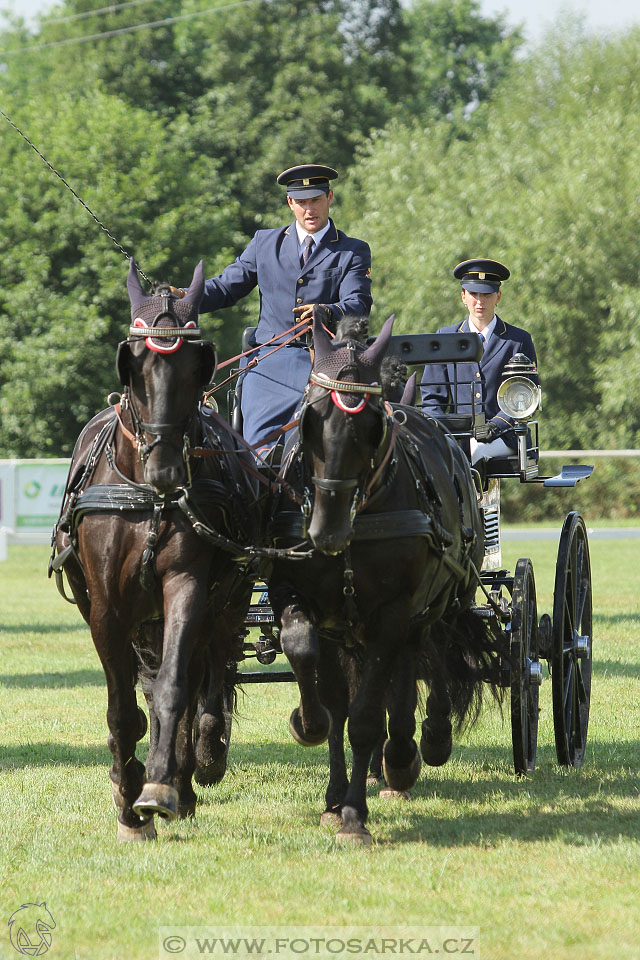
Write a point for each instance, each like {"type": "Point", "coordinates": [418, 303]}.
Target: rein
{"type": "Point", "coordinates": [255, 361]}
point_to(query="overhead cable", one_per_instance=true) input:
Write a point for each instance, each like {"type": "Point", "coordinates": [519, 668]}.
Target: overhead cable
{"type": "Point", "coordinates": [139, 26]}
{"type": "Point", "coordinates": [94, 13]}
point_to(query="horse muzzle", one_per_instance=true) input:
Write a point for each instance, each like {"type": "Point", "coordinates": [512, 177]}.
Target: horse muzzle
{"type": "Point", "coordinates": [333, 514]}
{"type": "Point", "coordinates": [165, 467]}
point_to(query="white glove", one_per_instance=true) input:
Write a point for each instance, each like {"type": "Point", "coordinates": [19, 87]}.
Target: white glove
{"type": "Point", "coordinates": [485, 451]}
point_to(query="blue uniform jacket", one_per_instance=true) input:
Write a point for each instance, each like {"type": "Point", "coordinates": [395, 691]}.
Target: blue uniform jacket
{"type": "Point", "coordinates": [336, 273]}
{"type": "Point", "coordinates": [477, 383]}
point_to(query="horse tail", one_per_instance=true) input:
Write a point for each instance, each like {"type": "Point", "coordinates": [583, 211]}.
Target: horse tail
{"type": "Point", "coordinates": [461, 658]}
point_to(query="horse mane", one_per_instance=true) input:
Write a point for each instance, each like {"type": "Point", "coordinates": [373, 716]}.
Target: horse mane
{"type": "Point", "coordinates": [393, 372]}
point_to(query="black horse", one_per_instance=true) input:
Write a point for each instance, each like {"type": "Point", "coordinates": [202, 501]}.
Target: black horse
{"type": "Point", "coordinates": [159, 503]}
{"type": "Point", "coordinates": [385, 598]}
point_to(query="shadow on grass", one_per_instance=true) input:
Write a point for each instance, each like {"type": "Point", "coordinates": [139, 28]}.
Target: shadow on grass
{"type": "Point", "coordinates": [576, 807]}
{"type": "Point", "coordinates": [44, 627]}
{"type": "Point", "coordinates": [51, 754]}
{"type": "Point", "coordinates": [600, 822]}
{"type": "Point", "coordinates": [554, 803]}
{"type": "Point", "coordinates": [44, 681]}
{"type": "Point", "coordinates": [615, 668]}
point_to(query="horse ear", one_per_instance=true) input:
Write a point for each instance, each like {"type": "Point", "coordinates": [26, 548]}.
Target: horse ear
{"type": "Point", "coordinates": [409, 393]}
{"type": "Point", "coordinates": [321, 340]}
{"type": "Point", "coordinates": [373, 355]}
{"type": "Point", "coordinates": [196, 287]}
{"type": "Point", "coordinates": [137, 295]}
{"type": "Point", "coordinates": [122, 362]}
{"type": "Point", "coordinates": [208, 362]}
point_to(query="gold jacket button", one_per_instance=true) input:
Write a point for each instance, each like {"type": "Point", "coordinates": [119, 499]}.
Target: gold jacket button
{"type": "Point", "coordinates": [477, 374]}
{"type": "Point", "coordinates": [298, 299]}
{"type": "Point", "coordinates": [478, 395]}
{"type": "Point", "coordinates": [300, 280]}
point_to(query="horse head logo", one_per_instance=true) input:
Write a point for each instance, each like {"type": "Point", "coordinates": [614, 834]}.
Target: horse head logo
{"type": "Point", "coordinates": [29, 929]}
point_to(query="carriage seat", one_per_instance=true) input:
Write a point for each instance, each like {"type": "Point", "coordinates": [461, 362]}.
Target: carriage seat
{"type": "Point", "coordinates": [235, 395]}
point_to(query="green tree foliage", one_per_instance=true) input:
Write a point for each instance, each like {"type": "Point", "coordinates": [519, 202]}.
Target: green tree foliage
{"type": "Point", "coordinates": [63, 301]}
{"type": "Point", "coordinates": [548, 181]}
{"type": "Point", "coordinates": [455, 57]}
{"type": "Point", "coordinates": [173, 134]}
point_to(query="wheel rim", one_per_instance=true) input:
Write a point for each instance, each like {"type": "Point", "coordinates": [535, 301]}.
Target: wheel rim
{"type": "Point", "coordinates": [572, 643]}
{"type": "Point", "coordinates": [524, 668]}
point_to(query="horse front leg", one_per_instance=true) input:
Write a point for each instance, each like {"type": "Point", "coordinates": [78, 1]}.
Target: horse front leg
{"type": "Point", "coordinates": [366, 720]}
{"type": "Point", "coordinates": [174, 693]}
{"type": "Point", "coordinates": [126, 722]}
{"type": "Point", "coordinates": [310, 723]}
{"type": "Point", "coordinates": [385, 679]}
{"type": "Point", "coordinates": [337, 677]}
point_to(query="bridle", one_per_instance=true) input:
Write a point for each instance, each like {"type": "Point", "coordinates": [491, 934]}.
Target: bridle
{"type": "Point", "coordinates": [384, 449]}
{"type": "Point", "coordinates": [164, 340]}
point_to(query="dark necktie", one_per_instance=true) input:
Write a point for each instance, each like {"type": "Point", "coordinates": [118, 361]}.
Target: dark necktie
{"type": "Point", "coordinates": [307, 247]}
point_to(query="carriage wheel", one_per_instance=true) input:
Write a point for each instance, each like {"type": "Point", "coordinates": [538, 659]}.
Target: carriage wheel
{"type": "Point", "coordinates": [525, 669]}
{"type": "Point", "coordinates": [571, 642]}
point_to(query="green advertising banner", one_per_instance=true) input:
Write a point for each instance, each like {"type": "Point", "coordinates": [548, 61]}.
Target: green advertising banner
{"type": "Point", "coordinates": [39, 486]}
{"type": "Point", "coordinates": [31, 495]}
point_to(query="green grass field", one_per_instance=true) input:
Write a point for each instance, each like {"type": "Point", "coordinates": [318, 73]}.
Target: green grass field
{"type": "Point", "coordinates": [547, 867]}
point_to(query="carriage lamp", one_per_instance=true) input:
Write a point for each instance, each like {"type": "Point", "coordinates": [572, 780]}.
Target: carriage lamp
{"type": "Point", "coordinates": [519, 397]}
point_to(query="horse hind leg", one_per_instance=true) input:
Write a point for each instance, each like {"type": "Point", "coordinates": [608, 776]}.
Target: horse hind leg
{"type": "Point", "coordinates": [212, 730]}
{"type": "Point", "coordinates": [401, 762]}
{"type": "Point", "coordinates": [436, 742]}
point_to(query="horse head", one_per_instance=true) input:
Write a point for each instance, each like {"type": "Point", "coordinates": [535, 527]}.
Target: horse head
{"type": "Point", "coordinates": [344, 431]}
{"type": "Point", "coordinates": [164, 365]}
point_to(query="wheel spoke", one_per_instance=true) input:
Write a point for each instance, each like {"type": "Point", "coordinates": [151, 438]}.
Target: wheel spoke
{"type": "Point", "coordinates": [576, 724]}
{"type": "Point", "coordinates": [581, 690]}
{"type": "Point", "coordinates": [568, 688]}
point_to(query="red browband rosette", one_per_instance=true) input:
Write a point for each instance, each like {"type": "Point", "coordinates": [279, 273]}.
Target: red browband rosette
{"type": "Point", "coordinates": [341, 405]}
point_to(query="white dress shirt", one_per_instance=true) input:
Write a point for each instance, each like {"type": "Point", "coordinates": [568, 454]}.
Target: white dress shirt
{"type": "Point", "coordinates": [302, 234]}
{"type": "Point", "coordinates": [497, 447]}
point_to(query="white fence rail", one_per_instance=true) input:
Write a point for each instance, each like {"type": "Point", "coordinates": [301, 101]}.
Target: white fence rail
{"type": "Point", "coordinates": [589, 454]}
{"type": "Point", "coordinates": [31, 492]}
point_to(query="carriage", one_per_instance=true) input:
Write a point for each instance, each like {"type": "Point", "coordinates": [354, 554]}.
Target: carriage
{"type": "Point", "coordinates": [162, 537]}
{"type": "Point", "coordinates": [507, 599]}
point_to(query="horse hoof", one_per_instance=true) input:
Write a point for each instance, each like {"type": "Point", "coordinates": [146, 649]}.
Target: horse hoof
{"type": "Point", "coordinates": [187, 810]}
{"type": "Point", "coordinates": [435, 749]}
{"type": "Point", "coordinates": [305, 739]}
{"type": "Point", "coordinates": [373, 779]}
{"type": "Point", "coordinates": [401, 778]}
{"type": "Point", "coordinates": [388, 793]}
{"type": "Point", "coordinates": [331, 818]}
{"type": "Point", "coordinates": [208, 774]}
{"type": "Point", "coordinates": [362, 837]}
{"type": "Point", "coordinates": [157, 798]}
{"type": "Point", "coordinates": [146, 831]}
